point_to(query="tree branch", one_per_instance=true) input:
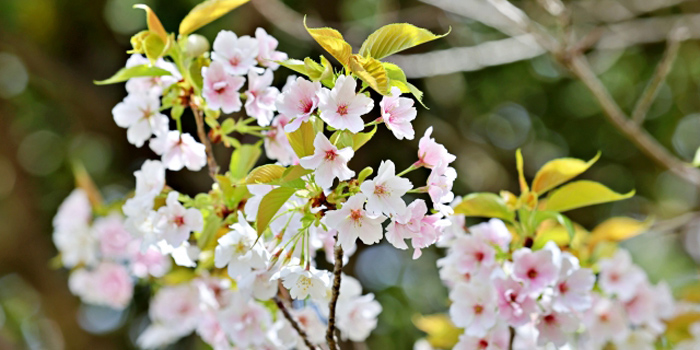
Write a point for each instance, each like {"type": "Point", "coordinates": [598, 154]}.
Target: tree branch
{"type": "Point", "coordinates": [293, 322]}
{"type": "Point", "coordinates": [337, 270]}
{"type": "Point", "coordinates": [580, 67]}
{"type": "Point", "coordinates": [652, 89]}
{"type": "Point", "coordinates": [211, 161]}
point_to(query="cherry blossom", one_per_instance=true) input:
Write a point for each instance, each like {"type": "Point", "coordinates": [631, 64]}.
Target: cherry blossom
{"type": "Point", "coordinates": [397, 114]}
{"type": "Point", "coordinates": [515, 305]}
{"type": "Point", "coordinates": [238, 55]}
{"type": "Point", "coordinates": [303, 282]}
{"type": "Point", "coordinates": [151, 85]}
{"type": "Point", "coordinates": [430, 153]}
{"type": "Point", "coordinates": [473, 307]}
{"type": "Point", "coordinates": [74, 212]}
{"type": "Point", "coordinates": [342, 108]}
{"type": "Point", "coordinates": [440, 183]}
{"type": "Point", "coordinates": [298, 101]}
{"type": "Point", "coordinates": [175, 312]}
{"type": "Point", "coordinates": [493, 231]}
{"type": "Point", "coordinates": [239, 250]}
{"type": "Point", "coordinates": [619, 276]}
{"type": "Point", "coordinates": [267, 55]}
{"type": "Point", "coordinates": [107, 284]}
{"type": "Point", "coordinates": [555, 327]}
{"type": "Point", "coordinates": [244, 321]}
{"type": "Point", "coordinates": [473, 254]}
{"type": "Point", "coordinates": [115, 241]}
{"type": "Point", "coordinates": [357, 317]}
{"type": "Point", "coordinates": [261, 97]}
{"type": "Point", "coordinates": [328, 162]}
{"type": "Point", "coordinates": [352, 221]}
{"type": "Point", "coordinates": [277, 144]}
{"type": "Point", "coordinates": [221, 89]}
{"type": "Point", "coordinates": [140, 114]}
{"type": "Point", "coordinates": [536, 269]}
{"type": "Point", "coordinates": [72, 234]}
{"type": "Point", "coordinates": [151, 262]}
{"type": "Point", "coordinates": [384, 192]}
{"type": "Point", "coordinates": [179, 151]}
{"type": "Point", "coordinates": [496, 339]}
{"type": "Point", "coordinates": [573, 287]}
{"type": "Point", "coordinates": [175, 222]}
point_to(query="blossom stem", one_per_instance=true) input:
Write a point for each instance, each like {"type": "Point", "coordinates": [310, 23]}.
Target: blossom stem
{"type": "Point", "coordinates": [337, 270]}
{"type": "Point", "coordinates": [294, 323]}
{"type": "Point", "coordinates": [408, 170]}
{"type": "Point", "coordinates": [211, 161]}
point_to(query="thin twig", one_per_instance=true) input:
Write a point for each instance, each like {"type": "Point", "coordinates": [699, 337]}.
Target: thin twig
{"type": "Point", "coordinates": [652, 89]}
{"type": "Point", "coordinates": [211, 161]}
{"type": "Point", "coordinates": [293, 322]}
{"type": "Point", "coordinates": [580, 67]}
{"type": "Point", "coordinates": [337, 270]}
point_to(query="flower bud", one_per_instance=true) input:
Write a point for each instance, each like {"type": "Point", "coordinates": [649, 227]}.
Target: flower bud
{"type": "Point", "coordinates": [196, 45]}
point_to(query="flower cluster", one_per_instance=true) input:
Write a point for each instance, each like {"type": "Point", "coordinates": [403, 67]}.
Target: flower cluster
{"type": "Point", "coordinates": [545, 296]}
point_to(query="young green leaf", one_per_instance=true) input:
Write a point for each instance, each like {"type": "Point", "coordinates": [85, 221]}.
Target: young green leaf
{"type": "Point", "coordinates": [153, 22]}
{"type": "Point", "coordinates": [371, 71]}
{"type": "Point", "coordinates": [484, 205]}
{"type": "Point", "coordinates": [270, 205]}
{"type": "Point", "coordinates": [617, 229]}
{"type": "Point", "coordinates": [332, 41]}
{"type": "Point", "coordinates": [521, 175]}
{"type": "Point", "coordinates": [208, 234]}
{"type": "Point", "coordinates": [559, 171]}
{"type": "Point", "coordinates": [207, 12]}
{"type": "Point", "coordinates": [265, 174]}
{"type": "Point", "coordinates": [393, 38]}
{"type": "Point", "coordinates": [302, 140]}
{"type": "Point", "coordinates": [361, 138]}
{"type": "Point", "coordinates": [125, 74]}
{"type": "Point", "coordinates": [541, 216]}
{"type": "Point", "coordinates": [243, 159]}
{"type": "Point", "coordinates": [582, 193]}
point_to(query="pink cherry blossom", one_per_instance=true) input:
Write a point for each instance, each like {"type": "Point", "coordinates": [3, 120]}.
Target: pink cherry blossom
{"type": "Point", "coordinates": [473, 254]}
{"type": "Point", "coordinates": [430, 153]}
{"type": "Point", "coordinates": [493, 231]}
{"type": "Point", "coordinates": [606, 321]}
{"type": "Point", "coordinates": [140, 114]}
{"type": "Point", "coordinates": [151, 262]}
{"type": "Point", "coordinates": [151, 85]}
{"type": "Point", "coordinates": [352, 221]}
{"type": "Point", "coordinates": [397, 113]}
{"type": "Point", "coordinates": [221, 89]}
{"type": "Point", "coordinates": [115, 241]}
{"type": "Point", "coordinates": [238, 55]}
{"type": "Point", "coordinates": [175, 222]}
{"type": "Point", "coordinates": [384, 192]}
{"type": "Point", "coordinates": [536, 270]}
{"type": "Point", "coordinates": [277, 146]}
{"type": "Point", "coordinates": [357, 317]}
{"type": "Point", "coordinates": [515, 305]}
{"type": "Point", "coordinates": [267, 55]}
{"type": "Point", "coordinates": [440, 183]}
{"type": "Point", "coordinates": [555, 327]}
{"type": "Point", "coordinates": [328, 162]}
{"type": "Point", "coordinates": [473, 307]}
{"type": "Point", "coordinates": [408, 225]}
{"type": "Point", "coordinates": [107, 284]}
{"type": "Point", "coordinates": [572, 291]}
{"type": "Point", "coordinates": [179, 151]}
{"type": "Point", "coordinates": [619, 276]}
{"type": "Point", "coordinates": [244, 321]}
{"type": "Point", "coordinates": [261, 97]}
{"type": "Point", "coordinates": [497, 338]}
{"type": "Point", "coordinates": [298, 101]}
{"type": "Point", "coordinates": [342, 108]}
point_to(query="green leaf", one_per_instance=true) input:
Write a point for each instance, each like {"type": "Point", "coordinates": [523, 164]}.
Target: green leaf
{"type": "Point", "coordinates": [361, 138]}
{"type": "Point", "coordinates": [582, 193]}
{"type": "Point", "coordinates": [265, 174]}
{"type": "Point", "coordinates": [294, 172]}
{"type": "Point", "coordinates": [371, 71]}
{"type": "Point", "coordinates": [211, 224]}
{"type": "Point", "coordinates": [154, 47]}
{"type": "Point", "coordinates": [332, 41]}
{"type": "Point", "coordinates": [617, 229]}
{"type": "Point", "coordinates": [484, 205]}
{"type": "Point", "coordinates": [243, 159]}
{"type": "Point", "coordinates": [298, 66]}
{"type": "Point", "coordinates": [342, 139]}
{"type": "Point", "coordinates": [302, 139]}
{"type": "Point", "coordinates": [125, 74]}
{"type": "Point", "coordinates": [393, 38]}
{"type": "Point", "coordinates": [154, 24]}
{"type": "Point", "coordinates": [696, 159]}
{"type": "Point", "coordinates": [270, 205]}
{"type": "Point", "coordinates": [559, 171]}
{"type": "Point", "coordinates": [521, 175]}
{"type": "Point", "coordinates": [541, 216]}
{"type": "Point", "coordinates": [207, 12]}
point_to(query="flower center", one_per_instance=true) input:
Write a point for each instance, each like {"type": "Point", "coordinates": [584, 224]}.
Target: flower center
{"type": "Point", "coordinates": [380, 190]}
{"type": "Point", "coordinates": [483, 344]}
{"type": "Point", "coordinates": [478, 309]}
{"type": "Point", "coordinates": [331, 155]}
{"type": "Point", "coordinates": [563, 288]}
{"type": "Point", "coordinates": [220, 86]}
{"type": "Point", "coordinates": [479, 256]}
{"type": "Point", "coordinates": [532, 274]}
{"type": "Point", "coordinates": [235, 60]}
{"type": "Point", "coordinates": [306, 106]}
{"type": "Point", "coordinates": [549, 319]}
{"type": "Point", "coordinates": [179, 220]}
{"type": "Point", "coordinates": [304, 282]}
{"type": "Point", "coordinates": [342, 110]}
{"type": "Point", "coordinates": [355, 214]}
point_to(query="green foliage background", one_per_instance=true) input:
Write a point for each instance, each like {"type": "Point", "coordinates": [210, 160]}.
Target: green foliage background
{"type": "Point", "coordinates": [52, 50]}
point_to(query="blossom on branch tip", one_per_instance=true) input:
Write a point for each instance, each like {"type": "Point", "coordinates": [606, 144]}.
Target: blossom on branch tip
{"type": "Point", "coordinates": [261, 97]}
{"type": "Point", "coordinates": [430, 153]}
{"type": "Point", "coordinates": [175, 222]}
{"type": "Point", "coordinates": [220, 89]}
{"type": "Point", "coordinates": [179, 151]}
{"type": "Point", "coordinates": [397, 113]}
{"type": "Point", "coordinates": [239, 250]}
{"type": "Point", "coordinates": [384, 192]}
{"type": "Point", "coordinates": [238, 55]}
{"type": "Point", "coordinates": [342, 108]}
{"type": "Point", "coordinates": [267, 55]}
{"type": "Point", "coordinates": [140, 114]}
{"type": "Point", "coordinates": [297, 101]}
{"type": "Point", "coordinates": [328, 162]}
{"type": "Point", "coordinates": [352, 221]}
{"type": "Point", "coordinates": [304, 282]}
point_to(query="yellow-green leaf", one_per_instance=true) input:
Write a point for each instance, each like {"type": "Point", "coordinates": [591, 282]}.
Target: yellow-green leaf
{"type": "Point", "coordinates": [521, 175]}
{"type": "Point", "coordinates": [294, 172]}
{"type": "Point", "coordinates": [298, 66]}
{"type": "Point", "coordinates": [371, 72]}
{"type": "Point", "coordinates": [617, 229]}
{"type": "Point", "coordinates": [265, 174]}
{"type": "Point", "coordinates": [393, 38]}
{"type": "Point", "coordinates": [559, 171]}
{"type": "Point", "coordinates": [302, 139]}
{"type": "Point", "coordinates": [242, 160]}
{"type": "Point", "coordinates": [127, 73]}
{"type": "Point", "coordinates": [270, 205]}
{"type": "Point", "coordinates": [153, 22]}
{"type": "Point", "coordinates": [332, 41]}
{"type": "Point", "coordinates": [361, 138]}
{"type": "Point", "coordinates": [207, 12]}
{"type": "Point", "coordinates": [84, 182]}
{"type": "Point", "coordinates": [154, 47]}
{"type": "Point", "coordinates": [582, 193]}
{"type": "Point", "coordinates": [484, 205]}
{"type": "Point", "coordinates": [398, 78]}
{"type": "Point", "coordinates": [442, 333]}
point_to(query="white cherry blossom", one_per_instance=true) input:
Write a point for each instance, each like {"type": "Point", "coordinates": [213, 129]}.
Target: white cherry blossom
{"type": "Point", "coordinates": [179, 151]}
{"type": "Point", "coordinates": [352, 221]}
{"type": "Point", "coordinates": [384, 192]}
{"type": "Point", "coordinates": [175, 222]}
{"type": "Point", "coordinates": [342, 108]}
{"type": "Point", "coordinates": [261, 97]}
{"type": "Point", "coordinates": [328, 162]}
{"type": "Point", "coordinates": [239, 250]}
{"type": "Point", "coordinates": [140, 114]}
{"type": "Point", "coordinates": [298, 101]}
{"type": "Point", "coordinates": [397, 113]}
{"type": "Point", "coordinates": [238, 55]}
